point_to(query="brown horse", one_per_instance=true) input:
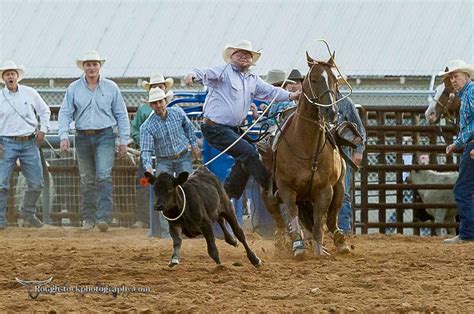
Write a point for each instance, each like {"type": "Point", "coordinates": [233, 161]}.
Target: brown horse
{"type": "Point", "coordinates": [445, 102]}
{"type": "Point", "coordinates": [309, 171]}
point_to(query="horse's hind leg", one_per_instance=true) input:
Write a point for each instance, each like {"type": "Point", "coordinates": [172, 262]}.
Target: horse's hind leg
{"type": "Point", "coordinates": [240, 235]}
{"type": "Point", "coordinates": [333, 211]}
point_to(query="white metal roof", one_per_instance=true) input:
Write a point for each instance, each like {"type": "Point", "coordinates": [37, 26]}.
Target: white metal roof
{"type": "Point", "coordinates": [138, 38]}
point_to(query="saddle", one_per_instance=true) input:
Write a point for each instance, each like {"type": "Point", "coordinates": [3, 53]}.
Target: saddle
{"type": "Point", "coordinates": [345, 134]}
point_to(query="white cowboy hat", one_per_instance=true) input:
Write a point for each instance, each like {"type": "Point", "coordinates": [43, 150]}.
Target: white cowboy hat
{"type": "Point", "coordinates": [458, 65]}
{"type": "Point", "coordinates": [10, 65]}
{"type": "Point", "coordinates": [242, 45]}
{"type": "Point", "coordinates": [91, 55]}
{"type": "Point", "coordinates": [158, 79]}
{"type": "Point", "coordinates": [156, 94]}
{"type": "Point", "coordinates": [276, 77]}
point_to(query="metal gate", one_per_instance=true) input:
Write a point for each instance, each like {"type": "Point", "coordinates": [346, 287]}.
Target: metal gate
{"type": "Point", "coordinates": [393, 134]}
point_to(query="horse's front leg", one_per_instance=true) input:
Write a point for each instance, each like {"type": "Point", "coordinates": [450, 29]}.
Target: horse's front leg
{"type": "Point", "coordinates": [288, 196]}
{"type": "Point", "coordinates": [322, 200]}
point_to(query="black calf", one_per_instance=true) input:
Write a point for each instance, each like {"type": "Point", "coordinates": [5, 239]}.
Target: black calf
{"type": "Point", "coordinates": [191, 205]}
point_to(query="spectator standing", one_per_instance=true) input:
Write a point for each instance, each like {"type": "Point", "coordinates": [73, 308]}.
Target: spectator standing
{"type": "Point", "coordinates": [20, 139]}
{"type": "Point", "coordinates": [167, 134]}
{"type": "Point", "coordinates": [143, 112]}
{"type": "Point", "coordinates": [96, 105]}
{"type": "Point", "coordinates": [348, 112]}
{"type": "Point", "coordinates": [460, 74]}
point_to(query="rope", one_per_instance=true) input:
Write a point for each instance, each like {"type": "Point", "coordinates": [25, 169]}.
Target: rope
{"type": "Point", "coordinates": [182, 210]}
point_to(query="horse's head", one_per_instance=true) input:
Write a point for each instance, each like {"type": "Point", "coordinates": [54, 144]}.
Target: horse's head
{"type": "Point", "coordinates": [320, 87]}
{"type": "Point", "coordinates": [445, 102]}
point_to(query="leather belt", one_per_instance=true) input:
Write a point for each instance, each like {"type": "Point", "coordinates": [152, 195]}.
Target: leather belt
{"type": "Point", "coordinates": [173, 157]}
{"type": "Point", "coordinates": [209, 121]}
{"type": "Point", "coordinates": [22, 138]}
{"type": "Point", "coordinates": [91, 132]}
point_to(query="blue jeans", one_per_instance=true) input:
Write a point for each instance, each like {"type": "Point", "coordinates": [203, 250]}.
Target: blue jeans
{"type": "Point", "coordinates": [464, 195]}
{"type": "Point", "coordinates": [345, 212]}
{"type": "Point", "coordinates": [176, 166]}
{"type": "Point", "coordinates": [96, 159]}
{"type": "Point", "coordinates": [245, 155]}
{"type": "Point", "coordinates": [30, 162]}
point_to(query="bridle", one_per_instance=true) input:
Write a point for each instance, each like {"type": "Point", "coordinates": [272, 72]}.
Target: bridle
{"type": "Point", "coordinates": [316, 99]}
{"type": "Point", "coordinates": [445, 112]}
{"type": "Point", "coordinates": [444, 107]}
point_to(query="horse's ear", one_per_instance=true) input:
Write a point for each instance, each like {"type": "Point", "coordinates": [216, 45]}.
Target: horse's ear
{"type": "Point", "coordinates": [309, 59]}
{"type": "Point", "coordinates": [332, 60]}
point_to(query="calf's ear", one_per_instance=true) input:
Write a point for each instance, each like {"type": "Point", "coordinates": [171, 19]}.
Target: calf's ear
{"type": "Point", "coordinates": [151, 178]}
{"type": "Point", "coordinates": [183, 176]}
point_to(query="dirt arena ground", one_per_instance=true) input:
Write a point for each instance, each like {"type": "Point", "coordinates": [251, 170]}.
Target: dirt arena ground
{"type": "Point", "coordinates": [383, 273]}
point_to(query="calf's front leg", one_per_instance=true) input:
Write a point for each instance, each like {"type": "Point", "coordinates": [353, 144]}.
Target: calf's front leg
{"type": "Point", "coordinates": [175, 233]}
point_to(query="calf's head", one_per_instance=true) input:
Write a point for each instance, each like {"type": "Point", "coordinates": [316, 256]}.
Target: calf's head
{"type": "Point", "coordinates": [165, 189]}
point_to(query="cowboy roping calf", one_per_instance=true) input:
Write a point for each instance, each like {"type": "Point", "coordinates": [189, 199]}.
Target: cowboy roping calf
{"type": "Point", "coordinates": [191, 205]}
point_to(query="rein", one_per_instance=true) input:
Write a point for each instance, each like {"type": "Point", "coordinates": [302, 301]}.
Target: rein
{"type": "Point", "coordinates": [182, 210]}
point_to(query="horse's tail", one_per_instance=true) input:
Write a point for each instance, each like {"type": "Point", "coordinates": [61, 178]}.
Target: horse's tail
{"type": "Point", "coordinates": [305, 213]}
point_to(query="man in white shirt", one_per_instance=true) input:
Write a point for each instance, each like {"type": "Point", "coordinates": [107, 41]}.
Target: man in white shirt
{"type": "Point", "coordinates": [20, 139]}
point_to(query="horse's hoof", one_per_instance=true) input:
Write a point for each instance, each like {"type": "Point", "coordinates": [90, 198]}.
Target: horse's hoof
{"type": "Point", "coordinates": [299, 248]}
{"type": "Point", "coordinates": [174, 262]}
{"type": "Point", "coordinates": [343, 249]}
{"type": "Point", "coordinates": [258, 263]}
{"type": "Point", "coordinates": [340, 243]}
{"type": "Point", "coordinates": [299, 253]}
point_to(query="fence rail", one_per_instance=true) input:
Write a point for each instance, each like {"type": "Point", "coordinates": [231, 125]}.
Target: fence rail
{"type": "Point", "coordinates": [395, 134]}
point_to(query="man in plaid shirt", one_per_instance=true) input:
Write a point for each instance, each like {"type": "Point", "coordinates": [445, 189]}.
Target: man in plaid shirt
{"type": "Point", "coordinates": [460, 75]}
{"type": "Point", "coordinates": [169, 133]}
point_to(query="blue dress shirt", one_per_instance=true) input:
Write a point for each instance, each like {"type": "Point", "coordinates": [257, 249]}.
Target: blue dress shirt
{"type": "Point", "coordinates": [231, 93]}
{"type": "Point", "coordinates": [95, 109]}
